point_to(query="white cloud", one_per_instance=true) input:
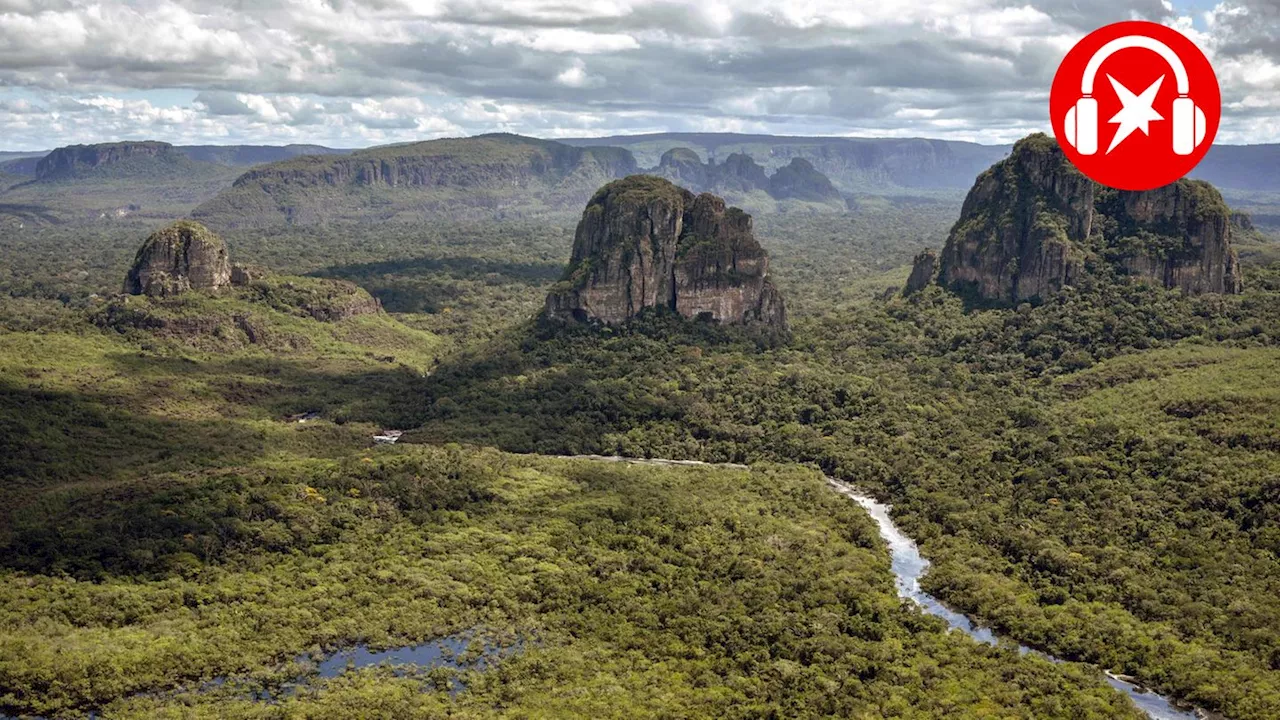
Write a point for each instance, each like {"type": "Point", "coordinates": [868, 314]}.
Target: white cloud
{"type": "Point", "coordinates": [364, 71]}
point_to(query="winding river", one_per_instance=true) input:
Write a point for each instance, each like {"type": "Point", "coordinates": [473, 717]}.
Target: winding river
{"type": "Point", "coordinates": [909, 566]}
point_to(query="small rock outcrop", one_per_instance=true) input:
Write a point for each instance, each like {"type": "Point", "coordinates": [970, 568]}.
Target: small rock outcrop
{"type": "Point", "coordinates": [739, 173]}
{"type": "Point", "coordinates": [644, 242]}
{"type": "Point", "coordinates": [801, 181]}
{"type": "Point", "coordinates": [181, 257]}
{"type": "Point", "coordinates": [1032, 220]}
{"type": "Point", "coordinates": [923, 271]}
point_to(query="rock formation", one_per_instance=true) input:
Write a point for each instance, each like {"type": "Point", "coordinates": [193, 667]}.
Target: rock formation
{"type": "Point", "coordinates": [1032, 220]}
{"type": "Point", "coordinates": [800, 180]}
{"type": "Point", "coordinates": [644, 242]}
{"type": "Point", "coordinates": [924, 269]}
{"type": "Point", "coordinates": [181, 257]}
{"type": "Point", "coordinates": [683, 167]}
{"type": "Point", "coordinates": [73, 160]}
{"type": "Point", "coordinates": [1177, 236]}
{"type": "Point", "coordinates": [740, 174]}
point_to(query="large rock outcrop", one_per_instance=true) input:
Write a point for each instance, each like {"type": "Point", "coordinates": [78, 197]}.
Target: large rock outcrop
{"type": "Point", "coordinates": [181, 257]}
{"type": "Point", "coordinates": [1032, 221]}
{"type": "Point", "coordinates": [801, 181]}
{"type": "Point", "coordinates": [1178, 236]}
{"type": "Point", "coordinates": [644, 242]}
{"type": "Point", "coordinates": [741, 175]}
{"type": "Point", "coordinates": [1022, 228]}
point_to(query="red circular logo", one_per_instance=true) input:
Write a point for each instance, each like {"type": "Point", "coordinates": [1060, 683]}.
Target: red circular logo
{"type": "Point", "coordinates": [1135, 105]}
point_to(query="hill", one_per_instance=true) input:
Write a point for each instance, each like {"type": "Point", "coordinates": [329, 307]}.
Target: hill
{"type": "Point", "coordinates": [853, 164]}
{"type": "Point", "coordinates": [490, 175]}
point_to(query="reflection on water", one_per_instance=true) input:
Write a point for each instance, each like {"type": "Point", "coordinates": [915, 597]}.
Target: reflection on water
{"type": "Point", "coordinates": [909, 566]}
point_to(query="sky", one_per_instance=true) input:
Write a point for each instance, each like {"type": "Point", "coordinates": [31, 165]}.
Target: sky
{"type": "Point", "coordinates": [354, 73]}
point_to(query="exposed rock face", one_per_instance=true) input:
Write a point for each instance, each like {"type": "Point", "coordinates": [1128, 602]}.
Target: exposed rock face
{"type": "Point", "coordinates": [1023, 226]}
{"type": "Point", "coordinates": [1177, 235]}
{"type": "Point", "coordinates": [181, 257]}
{"type": "Point", "coordinates": [643, 242]}
{"type": "Point", "coordinates": [800, 180]}
{"type": "Point", "coordinates": [923, 271]}
{"type": "Point", "coordinates": [436, 178]}
{"type": "Point", "coordinates": [75, 159]}
{"type": "Point", "coordinates": [1242, 221]}
{"type": "Point", "coordinates": [739, 173]}
{"type": "Point", "coordinates": [1031, 220]}
{"type": "Point", "coordinates": [683, 167]}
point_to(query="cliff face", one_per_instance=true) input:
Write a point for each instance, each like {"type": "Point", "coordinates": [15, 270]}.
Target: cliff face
{"type": "Point", "coordinates": [74, 160]}
{"type": "Point", "coordinates": [413, 182]}
{"type": "Point", "coordinates": [1177, 235]}
{"type": "Point", "coordinates": [1031, 220]}
{"type": "Point", "coordinates": [181, 257]}
{"type": "Point", "coordinates": [800, 180]}
{"type": "Point", "coordinates": [740, 174]}
{"type": "Point", "coordinates": [643, 242]}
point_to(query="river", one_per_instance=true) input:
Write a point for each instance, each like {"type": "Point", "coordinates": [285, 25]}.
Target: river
{"type": "Point", "coordinates": [909, 566]}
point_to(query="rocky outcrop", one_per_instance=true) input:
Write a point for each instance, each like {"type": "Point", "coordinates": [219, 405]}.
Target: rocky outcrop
{"type": "Point", "coordinates": [1242, 221]}
{"type": "Point", "coordinates": [1031, 221]}
{"type": "Point", "coordinates": [74, 160]}
{"type": "Point", "coordinates": [683, 167]}
{"type": "Point", "coordinates": [644, 242]}
{"type": "Point", "coordinates": [1022, 228]}
{"type": "Point", "coordinates": [1177, 236]}
{"type": "Point", "coordinates": [801, 181]}
{"type": "Point", "coordinates": [181, 257]}
{"type": "Point", "coordinates": [740, 174]}
{"type": "Point", "coordinates": [923, 271]}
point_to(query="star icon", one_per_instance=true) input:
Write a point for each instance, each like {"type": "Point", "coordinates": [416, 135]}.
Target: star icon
{"type": "Point", "coordinates": [1137, 112]}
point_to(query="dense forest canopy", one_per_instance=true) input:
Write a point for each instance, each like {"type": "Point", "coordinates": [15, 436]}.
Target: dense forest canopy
{"type": "Point", "coordinates": [1094, 475]}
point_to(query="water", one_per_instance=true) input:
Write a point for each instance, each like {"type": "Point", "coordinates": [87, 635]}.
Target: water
{"type": "Point", "coordinates": [444, 652]}
{"type": "Point", "coordinates": [909, 567]}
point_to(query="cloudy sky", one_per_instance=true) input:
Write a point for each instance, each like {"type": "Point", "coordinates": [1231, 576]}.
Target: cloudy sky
{"type": "Point", "coordinates": [354, 73]}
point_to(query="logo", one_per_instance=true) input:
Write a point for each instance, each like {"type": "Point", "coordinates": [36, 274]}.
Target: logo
{"type": "Point", "coordinates": [1135, 105]}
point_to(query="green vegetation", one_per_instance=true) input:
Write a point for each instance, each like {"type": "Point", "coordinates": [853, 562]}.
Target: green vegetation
{"type": "Point", "coordinates": [1144, 546]}
{"type": "Point", "coordinates": [1094, 476]}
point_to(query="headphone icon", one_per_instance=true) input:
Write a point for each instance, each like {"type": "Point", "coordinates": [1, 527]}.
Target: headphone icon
{"type": "Point", "coordinates": [1081, 122]}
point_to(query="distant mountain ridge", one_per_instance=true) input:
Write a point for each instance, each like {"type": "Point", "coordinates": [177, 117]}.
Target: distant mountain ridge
{"type": "Point", "coordinates": [852, 164]}
{"type": "Point", "coordinates": [493, 175]}
{"type": "Point", "coordinates": [500, 175]}
{"type": "Point", "coordinates": [25, 163]}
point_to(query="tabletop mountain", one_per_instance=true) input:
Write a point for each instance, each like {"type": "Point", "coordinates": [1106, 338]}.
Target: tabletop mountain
{"type": "Point", "coordinates": [1032, 223]}
{"type": "Point", "coordinates": [644, 242]}
{"type": "Point", "coordinates": [497, 174]}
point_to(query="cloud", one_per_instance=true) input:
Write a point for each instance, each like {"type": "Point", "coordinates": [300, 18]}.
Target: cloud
{"type": "Point", "coordinates": [366, 71]}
